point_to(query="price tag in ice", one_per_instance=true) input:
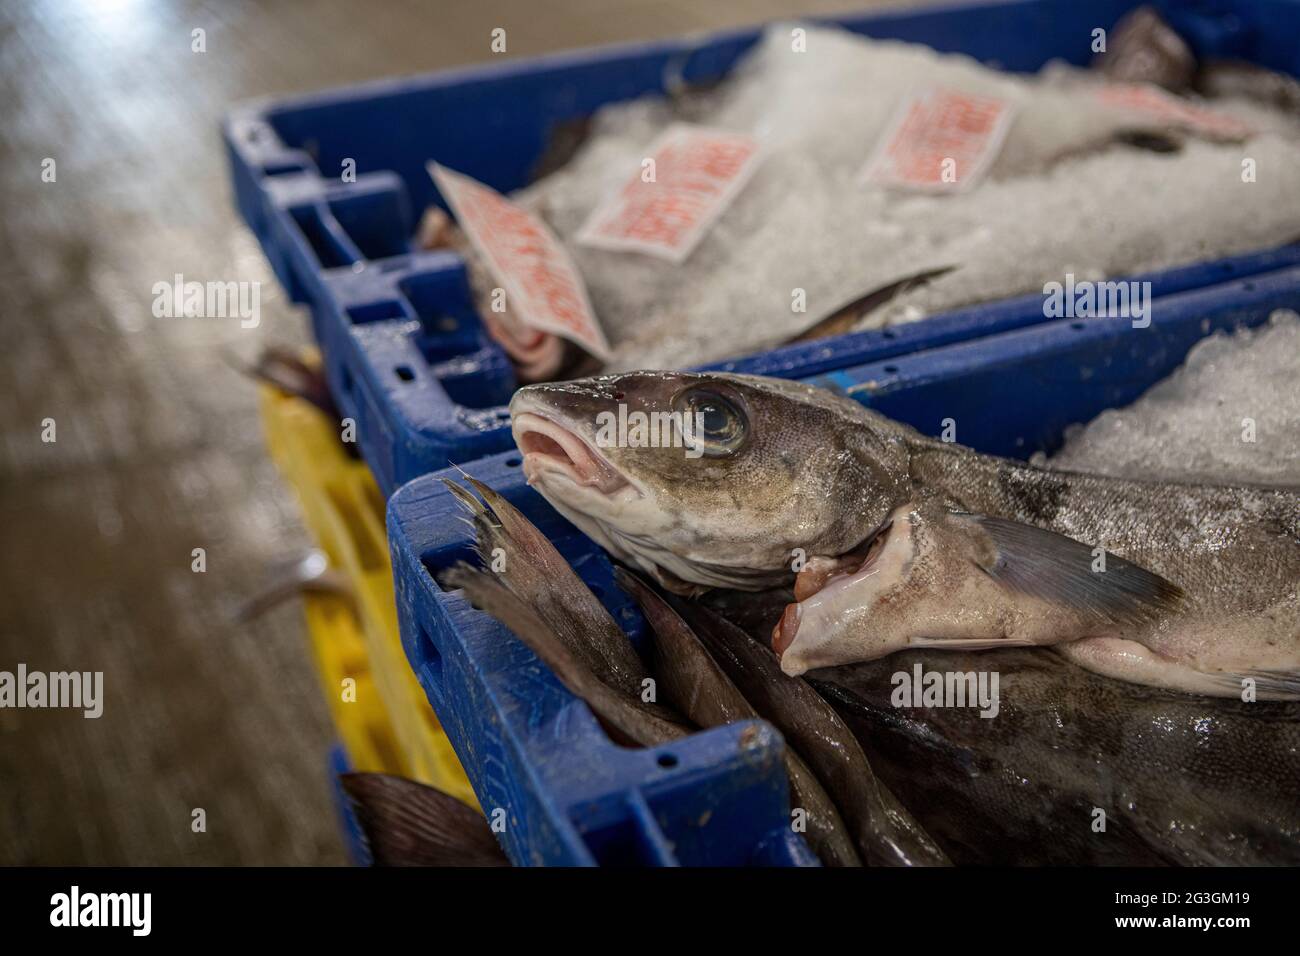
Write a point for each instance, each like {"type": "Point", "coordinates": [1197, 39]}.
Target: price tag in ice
{"type": "Point", "coordinates": [1155, 104]}
{"type": "Point", "coordinates": [542, 284]}
{"type": "Point", "coordinates": [940, 140]}
{"type": "Point", "coordinates": [690, 178]}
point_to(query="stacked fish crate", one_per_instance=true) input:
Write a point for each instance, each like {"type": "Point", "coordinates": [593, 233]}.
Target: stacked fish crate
{"type": "Point", "coordinates": [421, 385]}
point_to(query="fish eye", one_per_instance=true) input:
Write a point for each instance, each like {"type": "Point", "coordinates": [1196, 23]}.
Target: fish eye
{"type": "Point", "coordinates": [715, 422]}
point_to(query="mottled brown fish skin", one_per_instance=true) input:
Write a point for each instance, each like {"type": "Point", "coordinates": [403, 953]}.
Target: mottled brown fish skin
{"type": "Point", "coordinates": [886, 833]}
{"type": "Point", "coordinates": [694, 683]}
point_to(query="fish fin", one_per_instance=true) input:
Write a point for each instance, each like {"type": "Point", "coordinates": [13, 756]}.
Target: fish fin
{"type": "Point", "coordinates": [546, 582]}
{"type": "Point", "coordinates": [617, 710]}
{"type": "Point", "coordinates": [411, 824]}
{"type": "Point", "coordinates": [843, 318]}
{"type": "Point", "coordinates": [1131, 661]}
{"type": "Point", "coordinates": [1270, 685]}
{"type": "Point", "coordinates": [472, 504]}
{"type": "Point", "coordinates": [966, 644]}
{"type": "Point", "coordinates": [1056, 568]}
{"type": "Point", "coordinates": [292, 374]}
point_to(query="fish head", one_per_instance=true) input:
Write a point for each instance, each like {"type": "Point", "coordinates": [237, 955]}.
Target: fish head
{"type": "Point", "coordinates": [710, 480]}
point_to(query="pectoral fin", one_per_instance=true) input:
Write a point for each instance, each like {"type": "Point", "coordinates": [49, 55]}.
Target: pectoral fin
{"type": "Point", "coordinates": [1052, 567]}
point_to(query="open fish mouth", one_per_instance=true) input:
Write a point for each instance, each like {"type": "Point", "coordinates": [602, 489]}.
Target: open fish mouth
{"type": "Point", "coordinates": [820, 587]}
{"type": "Point", "coordinates": [551, 450]}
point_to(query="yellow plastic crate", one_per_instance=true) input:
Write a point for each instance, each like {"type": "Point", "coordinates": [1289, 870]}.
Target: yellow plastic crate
{"type": "Point", "coordinates": [340, 652]}
{"type": "Point", "coordinates": [344, 511]}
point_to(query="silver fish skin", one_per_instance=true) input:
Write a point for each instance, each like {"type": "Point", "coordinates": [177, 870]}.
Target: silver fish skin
{"type": "Point", "coordinates": [1195, 590]}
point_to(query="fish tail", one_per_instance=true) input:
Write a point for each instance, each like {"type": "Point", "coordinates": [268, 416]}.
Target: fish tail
{"type": "Point", "coordinates": [410, 824]}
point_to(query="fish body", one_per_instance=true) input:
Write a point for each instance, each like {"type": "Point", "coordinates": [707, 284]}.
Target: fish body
{"type": "Point", "coordinates": [1178, 780]}
{"type": "Point", "coordinates": [886, 832]}
{"type": "Point", "coordinates": [1190, 587]}
{"type": "Point", "coordinates": [696, 684]}
{"type": "Point", "coordinates": [1144, 48]}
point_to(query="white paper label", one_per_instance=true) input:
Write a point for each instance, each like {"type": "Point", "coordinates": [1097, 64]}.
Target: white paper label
{"type": "Point", "coordinates": [543, 287]}
{"type": "Point", "coordinates": [689, 179]}
{"type": "Point", "coordinates": [940, 140]}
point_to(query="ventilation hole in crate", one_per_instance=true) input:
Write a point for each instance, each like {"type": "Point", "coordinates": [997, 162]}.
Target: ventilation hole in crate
{"type": "Point", "coordinates": [437, 562]}
{"type": "Point", "coordinates": [513, 462]}
{"type": "Point", "coordinates": [431, 658]}
{"type": "Point", "coordinates": [1077, 325]}
{"type": "Point", "coordinates": [404, 373]}
{"type": "Point", "coordinates": [889, 334]}
{"type": "Point", "coordinates": [435, 352]}
{"type": "Point", "coordinates": [1249, 286]}
{"type": "Point", "coordinates": [283, 169]}
{"type": "Point", "coordinates": [667, 761]}
{"type": "Point", "coordinates": [374, 222]}
{"type": "Point", "coordinates": [891, 369]}
{"type": "Point", "coordinates": [376, 312]}
{"type": "Point", "coordinates": [327, 248]}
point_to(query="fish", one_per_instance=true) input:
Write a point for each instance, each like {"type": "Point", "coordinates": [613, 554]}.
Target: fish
{"type": "Point", "coordinates": [846, 317]}
{"type": "Point", "coordinates": [536, 355]}
{"type": "Point", "coordinates": [697, 686]}
{"type": "Point", "coordinates": [535, 589]}
{"type": "Point", "coordinates": [885, 831]}
{"type": "Point", "coordinates": [528, 564]}
{"type": "Point", "coordinates": [1077, 769]}
{"type": "Point", "coordinates": [1144, 48]}
{"type": "Point", "coordinates": [288, 371]}
{"type": "Point", "coordinates": [310, 574]}
{"type": "Point", "coordinates": [778, 483]}
{"type": "Point", "coordinates": [407, 823]}
{"type": "Point", "coordinates": [629, 721]}
{"type": "Point", "coordinates": [1225, 79]}
{"type": "Point", "coordinates": [568, 627]}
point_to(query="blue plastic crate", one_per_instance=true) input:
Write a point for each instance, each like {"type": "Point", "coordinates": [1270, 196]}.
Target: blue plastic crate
{"type": "Point", "coordinates": [405, 354]}
{"type": "Point", "coordinates": [1014, 394]}
{"type": "Point", "coordinates": [354, 840]}
{"type": "Point", "coordinates": [528, 746]}
{"type": "Point", "coordinates": [571, 796]}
